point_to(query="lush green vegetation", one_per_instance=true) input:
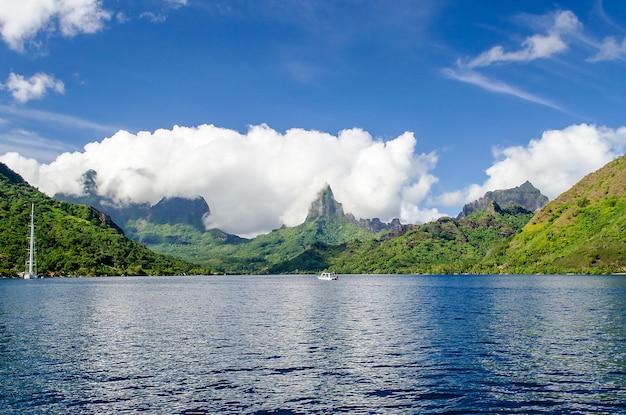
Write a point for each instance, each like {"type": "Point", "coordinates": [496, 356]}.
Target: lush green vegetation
{"type": "Point", "coordinates": [263, 254]}
{"type": "Point", "coordinates": [582, 231]}
{"type": "Point", "coordinates": [70, 239]}
{"type": "Point", "coordinates": [442, 247]}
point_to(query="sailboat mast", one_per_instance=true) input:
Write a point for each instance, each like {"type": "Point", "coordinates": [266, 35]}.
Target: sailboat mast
{"type": "Point", "coordinates": [31, 251]}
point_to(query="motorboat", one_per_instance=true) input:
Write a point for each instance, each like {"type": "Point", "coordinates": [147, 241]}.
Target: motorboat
{"type": "Point", "coordinates": [328, 276]}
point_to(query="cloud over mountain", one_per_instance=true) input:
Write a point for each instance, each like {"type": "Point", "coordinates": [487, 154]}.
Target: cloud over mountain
{"type": "Point", "coordinates": [253, 182]}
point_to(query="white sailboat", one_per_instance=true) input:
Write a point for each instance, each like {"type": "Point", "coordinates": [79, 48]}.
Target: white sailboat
{"type": "Point", "coordinates": [31, 267]}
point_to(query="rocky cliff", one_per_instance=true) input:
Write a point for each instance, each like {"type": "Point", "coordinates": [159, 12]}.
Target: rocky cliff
{"type": "Point", "coordinates": [325, 206]}
{"type": "Point", "coordinates": [526, 196]}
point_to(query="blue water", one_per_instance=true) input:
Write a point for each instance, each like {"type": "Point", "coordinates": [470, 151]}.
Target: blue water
{"type": "Point", "coordinates": [296, 345]}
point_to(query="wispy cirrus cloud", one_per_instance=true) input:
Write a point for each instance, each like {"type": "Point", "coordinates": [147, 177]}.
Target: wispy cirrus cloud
{"type": "Point", "coordinates": [609, 50]}
{"type": "Point", "coordinates": [544, 45]}
{"type": "Point", "coordinates": [177, 3]}
{"type": "Point", "coordinates": [160, 14]}
{"type": "Point", "coordinates": [31, 145]}
{"type": "Point", "coordinates": [499, 87]}
{"type": "Point", "coordinates": [56, 118]}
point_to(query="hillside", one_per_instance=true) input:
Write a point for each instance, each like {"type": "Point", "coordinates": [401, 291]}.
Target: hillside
{"type": "Point", "coordinates": [441, 247]}
{"type": "Point", "coordinates": [70, 239]}
{"type": "Point", "coordinates": [582, 230]}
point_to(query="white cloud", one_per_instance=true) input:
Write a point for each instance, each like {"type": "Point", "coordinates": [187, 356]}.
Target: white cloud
{"type": "Point", "coordinates": [533, 47]}
{"type": "Point", "coordinates": [610, 49]}
{"type": "Point", "coordinates": [35, 87]}
{"type": "Point", "coordinates": [253, 182]}
{"type": "Point", "coordinates": [21, 21]}
{"type": "Point", "coordinates": [499, 87]}
{"type": "Point", "coordinates": [552, 163]}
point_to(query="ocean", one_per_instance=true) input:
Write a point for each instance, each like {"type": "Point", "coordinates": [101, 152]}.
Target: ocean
{"type": "Point", "coordinates": [365, 344]}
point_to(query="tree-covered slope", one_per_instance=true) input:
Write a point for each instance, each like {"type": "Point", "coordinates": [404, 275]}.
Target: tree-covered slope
{"type": "Point", "coordinates": [220, 251]}
{"type": "Point", "coordinates": [173, 227]}
{"type": "Point", "coordinates": [442, 246]}
{"type": "Point", "coordinates": [70, 239]}
{"type": "Point", "coordinates": [583, 230]}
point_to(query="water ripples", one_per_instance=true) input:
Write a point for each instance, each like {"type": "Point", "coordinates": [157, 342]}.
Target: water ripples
{"type": "Point", "coordinates": [296, 345]}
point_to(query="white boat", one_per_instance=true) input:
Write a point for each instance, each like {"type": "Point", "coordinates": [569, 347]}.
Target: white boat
{"type": "Point", "coordinates": [328, 276]}
{"type": "Point", "coordinates": [31, 267]}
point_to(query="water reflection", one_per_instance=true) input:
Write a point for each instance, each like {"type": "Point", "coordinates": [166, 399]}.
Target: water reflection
{"type": "Point", "coordinates": [363, 344]}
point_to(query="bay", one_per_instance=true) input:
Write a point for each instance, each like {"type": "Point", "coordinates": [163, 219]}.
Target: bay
{"type": "Point", "coordinates": [365, 344]}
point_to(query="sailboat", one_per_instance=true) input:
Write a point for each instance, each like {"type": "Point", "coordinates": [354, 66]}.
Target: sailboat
{"type": "Point", "coordinates": [31, 267]}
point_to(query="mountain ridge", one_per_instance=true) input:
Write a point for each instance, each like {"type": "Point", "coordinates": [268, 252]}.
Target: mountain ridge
{"type": "Point", "coordinates": [525, 195]}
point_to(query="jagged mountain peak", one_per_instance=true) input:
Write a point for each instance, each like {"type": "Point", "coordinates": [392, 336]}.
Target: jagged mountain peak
{"type": "Point", "coordinates": [325, 205]}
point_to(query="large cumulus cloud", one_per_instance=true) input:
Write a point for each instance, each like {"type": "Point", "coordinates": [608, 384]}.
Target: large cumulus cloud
{"type": "Point", "coordinates": [253, 182]}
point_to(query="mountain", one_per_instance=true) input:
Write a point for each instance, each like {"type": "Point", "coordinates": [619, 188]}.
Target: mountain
{"type": "Point", "coordinates": [173, 210]}
{"type": "Point", "coordinates": [173, 227]}
{"type": "Point", "coordinates": [526, 196]}
{"type": "Point", "coordinates": [180, 210]}
{"type": "Point", "coordinates": [326, 225]}
{"type": "Point", "coordinates": [582, 230]}
{"type": "Point", "coordinates": [443, 246]}
{"type": "Point", "coordinates": [70, 239]}
{"type": "Point", "coordinates": [326, 206]}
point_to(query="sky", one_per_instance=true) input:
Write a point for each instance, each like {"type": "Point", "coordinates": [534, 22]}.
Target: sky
{"type": "Point", "coordinates": [408, 108]}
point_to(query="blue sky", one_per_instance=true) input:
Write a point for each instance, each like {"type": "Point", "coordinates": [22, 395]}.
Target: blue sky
{"type": "Point", "coordinates": [492, 93]}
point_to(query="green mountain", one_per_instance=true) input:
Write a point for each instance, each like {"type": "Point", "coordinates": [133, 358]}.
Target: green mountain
{"type": "Point", "coordinates": [173, 227]}
{"type": "Point", "coordinates": [526, 196]}
{"type": "Point", "coordinates": [441, 247]}
{"type": "Point", "coordinates": [70, 239]}
{"type": "Point", "coordinates": [582, 230]}
{"type": "Point", "coordinates": [326, 224]}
